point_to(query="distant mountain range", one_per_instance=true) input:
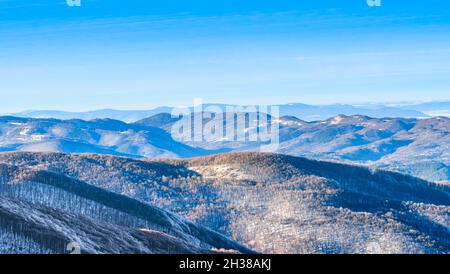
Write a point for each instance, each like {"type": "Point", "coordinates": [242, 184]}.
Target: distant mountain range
{"type": "Point", "coordinates": [270, 203]}
{"type": "Point", "coordinates": [103, 136]}
{"type": "Point", "coordinates": [418, 147]}
{"type": "Point", "coordinates": [121, 115]}
{"type": "Point", "coordinates": [431, 108]}
{"type": "Point", "coordinates": [301, 111]}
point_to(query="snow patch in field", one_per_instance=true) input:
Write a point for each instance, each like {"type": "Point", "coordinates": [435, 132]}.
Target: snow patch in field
{"type": "Point", "coordinates": [337, 120]}
{"type": "Point", "coordinates": [291, 123]}
{"type": "Point", "coordinates": [111, 139]}
{"type": "Point", "coordinates": [24, 132]}
{"type": "Point", "coordinates": [223, 171]}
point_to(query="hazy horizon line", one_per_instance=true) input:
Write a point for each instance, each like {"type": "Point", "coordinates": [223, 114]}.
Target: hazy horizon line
{"type": "Point", "coordinates": [355, 104]}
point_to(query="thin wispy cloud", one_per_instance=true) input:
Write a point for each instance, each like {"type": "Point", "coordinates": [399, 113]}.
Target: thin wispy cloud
{"type": "Point", "coordinates": [166, 54]}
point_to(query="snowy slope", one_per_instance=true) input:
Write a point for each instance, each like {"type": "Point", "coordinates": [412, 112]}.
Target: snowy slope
{"type": "Point", "coordinates": [275, 203]}
{"type": "Point", "coordinates": [42, 212]}
{"type": "Point", "coordinates": [103, 136]}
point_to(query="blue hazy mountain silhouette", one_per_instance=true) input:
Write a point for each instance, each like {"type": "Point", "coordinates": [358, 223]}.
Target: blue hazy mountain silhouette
{"type": "Point", "coordinates": [301, 111]}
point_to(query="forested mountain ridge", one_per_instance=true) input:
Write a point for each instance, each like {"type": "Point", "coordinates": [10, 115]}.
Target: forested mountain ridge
{"type": "Point", "coordinates": [275, 203]}
{"type": "Point", "coordinates": [43, 212]}
{"type": "Point", "coordinates": [419, 147]}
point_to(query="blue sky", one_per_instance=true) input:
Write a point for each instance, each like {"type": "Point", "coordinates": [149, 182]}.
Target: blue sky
{"type": "Point", "coordinates": [138, 54]}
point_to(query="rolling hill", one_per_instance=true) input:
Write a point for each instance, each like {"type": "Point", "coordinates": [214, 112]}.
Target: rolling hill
{"type": "Point", "coordinates": [45, 212]}
{"type": "Point", "coordinates": [103, 136]}
{"type": "Point", "coordinates": [419, 147]}
{"type": "Point", "coordinates": [274, 203]}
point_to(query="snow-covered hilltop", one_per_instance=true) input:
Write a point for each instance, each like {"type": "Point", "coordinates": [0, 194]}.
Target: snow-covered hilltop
{"type": "Point", "coordinates": [418, 147]}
